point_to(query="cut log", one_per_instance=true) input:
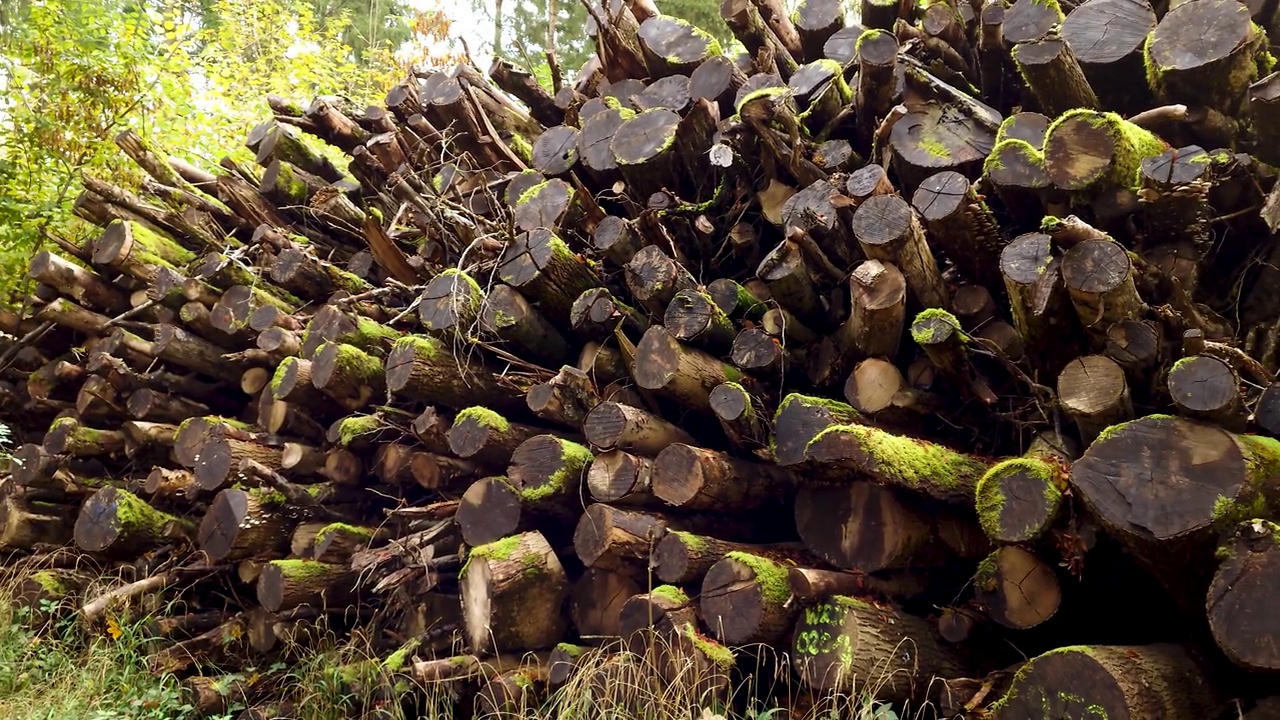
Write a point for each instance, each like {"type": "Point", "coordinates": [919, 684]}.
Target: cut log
{"type": "Point", "coordinates": [512, 592]}
{"type": "Point", "coordinates": [744, 599]}
{"type": "Point", "coordinates": [918, 465]}
{"type": "Point", "coordinates": [1114, 148]}
{"type": "Point", "coordinates": [865, 527]}
{"type": "Point", "coordinates": [1107, 38]}
{"type": "Point", "coordinates": [242, 524]}
{"type": "Point", "coordinates": [1163, 485]}
{"type": "Point", "coordinates": [118, 523]}
{"type": "Point", "coordinates": [686, 374]}
{"type": "Point", "coordinates": [694, 317]}
{"type": "Point", "coordinates": [1050, 69]}
{"type": "Point", "coordinates": [1188, 64]}
{"type": "Point", "coordinates": [962, 225]}
{"type": "Point", "coordinates": [683, 558]}
{"type": "Point", "coordinates": [614, 426]}
{"type": "Point", "coordinates": [513, 319]}
{"type": "Point", "coordinates": [1206, 388]}
{"type": "Point", "coordinates": [286, 584]}
{"type": "Point", "coordinates": [740, 418]}
{"type": "Point", "coordinates": [1018, 499]}
{"type": "Point", "coordinates": [1110, 681]}
{"type": "Point", "coordinates": [848, 642]}
{"type": "Point", "coordinates": [800, 419]}
{"type": "Point", "coordinates": [1093, 391]}
{"type": "Point", "coordinates": [450, 303]}
{"type": "Point", "coordinates": [486, 437]}
{"type": "Point", "coordinates": [694, 478]}
{"type": "Point", "coordinates": [1017, 589]}
{"type": "Point", "coordinates": [889, 231]}
{"type": "Point", "coordinates": [1239, 598]}
{"type": "Point", "coordinates": [422, 368]}
{"type": "Point", "coordinates": [620, 478]}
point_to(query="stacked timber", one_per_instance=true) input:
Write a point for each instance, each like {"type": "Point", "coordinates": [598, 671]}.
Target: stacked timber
{"type": "Point", "coordinates": [933, 348]}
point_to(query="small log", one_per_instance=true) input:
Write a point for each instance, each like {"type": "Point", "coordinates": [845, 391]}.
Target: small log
{"type": "Point", "coordinates": [513, 694]}
{"type": "Point", "coordinates": [962, 224]}
{"type": "Point", "coordinates": [686, 374]}
{"type": "Point", "coordinates": [918, 465]}
{"type": "Point", "coordinates": [735, 300]}
{"type": "Point", "coordinates": [694, 317]}
{"type": "Point", "coordinates": [889, 231]}
{"type": "Point", "coordinates": [644, 150]}
{"type": "Point", "coordinates": [740, 418]}
{"type": "Point", "coordinates": [1239, 596]}
{"type": "Point", "coordinates": [1111, 681]}
{"type": "Point", "coordinates": [242, 524]}
{"type": "Point", "coordinates": [744, 599]}
{"type": "Point", "coordinates": [673, 46]}
{"type": "Point", "coordinates": [654, 278]}
{"type": "Point", "coordinates": [422, 368]}
{"type": "Point", "coordinates": [511, 593]}
{"type": "Point", "coordinates": [1206, 388]}
{"type": "Point", "coordinates": [663, 611]}
{"type": "Point", "coordinates": [508, 315]}
{"type": "Point", "coordinates": [118, 523]}
{"type": "Point", "coordinates": [66, 436]}
{"type": "Point", "coordinates": [1092, 389]}
{"type": "Point", "coordinates": [486, 436]}
{"type": "Point", "coordinates": [450, 303]}
{"type": "Point", "coordinates": [614, 426]}
{"type": "Point", "coordinates": [286, 584]}
{"type": "Point", "coordinates": [616, 239]}
{"type": "Point", "coordinates": [694, 478]}
{"type": "Point", "coordinates": [683, 558]}
{"type": "Point", "coordinates": [1019, 499]}
{"type": "Point", "coordinates": [84, 286]}
{"type": "Point", "coordinates": [565, 399]}
{"type": "Point", "coordinates": [800, 419]}
{"type": "Point", "coordinates": [1054, 76]}
{"type": "Point", "coordinates": [790, 283]}
{"type": "Point", "coordinates": [811, 585]}
{"type": "Point", "coordinates": [1016, 588]}
{"type": "Point", "coordinates": [618, 477]}
{"type": "Point", "coordinates": [1100, 280]}
{"type": "Point", "coordinates": [1039, 301]}
{"type": "Point", "coordinates": [848, 642]}
{"type": "Point", "coordinates": [25, 524]}
{"type": "Point", "coordinates": [597, 314]}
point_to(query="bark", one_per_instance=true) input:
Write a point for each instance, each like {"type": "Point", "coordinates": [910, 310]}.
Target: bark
{"type": "Point", "coordinates": [1111, 680]}
{"type": "Point", "coordinates": [422, 368]}
{"type": "Point", "coordinates": [512, 591]}
{"type": "Point", "coordinates": [509, 316]}
{"type": "Point", "coordinates": [486, 437]}
{"type": "Point", "coordinates": [848, 642]}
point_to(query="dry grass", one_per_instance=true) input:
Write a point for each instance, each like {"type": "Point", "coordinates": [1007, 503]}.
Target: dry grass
{"type": "Point", "coordinates": [62, 670]}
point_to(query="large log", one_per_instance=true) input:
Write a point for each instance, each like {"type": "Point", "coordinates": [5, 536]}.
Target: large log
{"type": "Point", "coordinates": [512, 591]}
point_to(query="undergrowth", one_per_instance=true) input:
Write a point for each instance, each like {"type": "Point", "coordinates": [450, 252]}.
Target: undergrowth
{"type": "Point", "coordinates": [54, 667]}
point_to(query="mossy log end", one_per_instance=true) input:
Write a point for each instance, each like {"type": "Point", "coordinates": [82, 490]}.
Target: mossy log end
{"type": "Point", "coordinates": [1241, 598]}
{"type": "Point", "coordinates": [849, 642]}
{"type": "Point", "coordinates": [512, 592]}
{"type": "Point", "coordinates": [800, 419]}
{"type": "Point", "coordinates": [1155, 681]}
{"type": "Point", "coordinates": [286, 584]}
{"type": "Point", "coordinates": [683, 558]}
{"type": "Point", "coordinates": [918, 465]}
{"type": "Point", "coordinates": [486, 437]}
{"type": "Point", "coordinates": [1165, 486]}
{"type": "Point", "coordinates": [118, 523]}
{"type": "Point", "coordinates": [1018, 499]}
{"type": "Point", "coordinates": [744, 600]}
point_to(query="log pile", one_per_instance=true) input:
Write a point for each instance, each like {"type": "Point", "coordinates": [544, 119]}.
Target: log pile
{"type": "Point", "coordinates": [934, 350]}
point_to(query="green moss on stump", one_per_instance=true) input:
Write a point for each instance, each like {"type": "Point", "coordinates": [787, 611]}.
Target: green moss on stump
{"type": "Point", "coordinates": [355, 426]}
{"type": "Point", "coordinates": [712, 650]}
{"type": "Point", "coordinates": [671, 594]}
{"type": "Point", "coordinates": [771, 577]}
{"type": "Point", "coordinates": [484, 417]}
{"type": "Point", "coordinates": [925, 332]}
{"type": "Point", "coordinates": [908, 461]}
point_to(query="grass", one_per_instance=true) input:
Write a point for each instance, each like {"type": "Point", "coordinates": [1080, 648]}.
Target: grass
{"type": "Point", "coordinates": [54, 667]}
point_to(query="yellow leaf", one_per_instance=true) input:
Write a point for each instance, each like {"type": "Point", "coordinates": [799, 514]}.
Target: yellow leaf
{"type": "Point", "coordinates": [113, 628]}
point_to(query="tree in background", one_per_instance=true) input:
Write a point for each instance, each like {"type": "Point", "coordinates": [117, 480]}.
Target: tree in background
{"type": "Point", "coordinates": [190, 74]}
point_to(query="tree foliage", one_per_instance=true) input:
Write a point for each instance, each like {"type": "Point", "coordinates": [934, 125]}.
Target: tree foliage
{"type": "Point", "coordinates": [191, 75]}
